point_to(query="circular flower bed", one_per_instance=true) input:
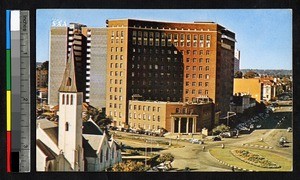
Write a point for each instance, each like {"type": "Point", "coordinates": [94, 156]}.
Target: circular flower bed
{"type": "Point", "coordinates": [254, 159]}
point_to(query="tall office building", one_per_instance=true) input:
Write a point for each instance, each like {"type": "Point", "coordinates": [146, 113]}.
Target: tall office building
{"type": "Point", "coordinates": [167, 62]}
{"type": "Point", "coordinates": [90, 58]}
{"type": "Point", "coordinates": [237, 55]}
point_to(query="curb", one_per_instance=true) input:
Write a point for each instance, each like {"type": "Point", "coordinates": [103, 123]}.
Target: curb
{"type": "Point", "coordinates": [229, 165]}
{"type": "Point", "coordinates": [258, 146]}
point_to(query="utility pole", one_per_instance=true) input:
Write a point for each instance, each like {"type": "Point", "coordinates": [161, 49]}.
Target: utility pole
{"type": "Point", "coordinates": [228, 115]}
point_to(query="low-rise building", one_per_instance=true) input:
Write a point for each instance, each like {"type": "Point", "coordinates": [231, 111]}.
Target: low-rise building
{"type": "Point", "coordinates": [241, 102]}
{"type": "Point", "coordinates": [251, 86]}
{"type": "Point", "coordinates": [175, 117]}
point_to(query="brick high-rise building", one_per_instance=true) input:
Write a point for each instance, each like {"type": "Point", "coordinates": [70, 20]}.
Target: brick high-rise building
{"type": "Point", "coordinates": [90, 58]}
{"type": "Point", "coordinates": [167, 62]}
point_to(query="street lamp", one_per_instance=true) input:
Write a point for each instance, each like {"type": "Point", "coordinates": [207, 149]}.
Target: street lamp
{"type": "Point", "coordinates": [228, 115]}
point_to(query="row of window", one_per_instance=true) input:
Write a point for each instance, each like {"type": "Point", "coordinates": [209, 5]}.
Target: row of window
{"type": "Point", "coordinates": [111, 89]}
{"type": "Point", "coordinates": [144, 108]}
{"type": "Point", "coordinates": [68, 100]}
{"type": "Point", "coordinates": [115, 97]}
{"type": "Point", "coordinates": [115, 114]}
{"type": "Point", "coordinates": [155, 66]}
{"type": "Point", "coordinates": [193, 91]}
{"type": "Point", "coordinates": [113, 40]}
{"type": "Point", "coordinates": [166, 39]}
{"type": "Point", "coordinates": [111, 105]}
{"type": "Point", "coordinates": [194, 68]}
{"type": "Point", "coordinates": [116, 57]}
{"type": "Point", "coordinates": [144, 117]}
{"type": "Point", "coordinates": [116, 81]}
{"type": "Point", "coordinates": [117, 33]}
{"type": "Point", "coordinates": [116, 49]}
{"type": "Point", "coordinates": [156, 59]}
{"type": "Point", "coordinates": [160, 75]}
{"type": "Point", "coordinates": [187, 83]}
{"type": "Point", "coordinates": [175, 36]}
{"type": "Point", "coordinates": [116, 65]}
{"type": "Point", "coordinates": [145, 126]}
{"type": "Point", "coordinates": [166, 83]}
{"type": "Point", "coordinates": [169, 43]}
{"type": "Point", "coordinates": [116, 73]}
{"type": "Point", "coordinates": [200, 76]}
{"type": "Point", "coordinates": [155, 91]}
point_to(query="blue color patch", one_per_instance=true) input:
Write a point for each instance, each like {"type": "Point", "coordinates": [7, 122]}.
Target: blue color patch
{"type": "Point", "coordinates": [8, 29]}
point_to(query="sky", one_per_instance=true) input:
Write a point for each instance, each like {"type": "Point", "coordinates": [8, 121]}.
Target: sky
{"type": "Point", "coordinates": [264, 37]}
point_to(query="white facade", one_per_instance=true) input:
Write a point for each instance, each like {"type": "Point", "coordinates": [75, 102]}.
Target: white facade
{"type": "Point", "coordinates": [70, 129]}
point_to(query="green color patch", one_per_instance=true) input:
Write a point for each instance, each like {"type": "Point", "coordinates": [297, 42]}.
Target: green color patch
{"type": "Point", "coordinates": [8, 69]}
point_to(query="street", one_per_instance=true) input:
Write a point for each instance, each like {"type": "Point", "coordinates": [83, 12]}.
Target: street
{"type": "Point", "coordinates": [263, 140]}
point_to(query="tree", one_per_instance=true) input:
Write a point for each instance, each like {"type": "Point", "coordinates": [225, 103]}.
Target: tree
{"type": "Point", "coordinates": [45, 65]}
{"type": "Point", "coordinates": [238, 74]}
{"type": "Point", "coordinates": [98, 117]}
{"type": "Point", "coordinates": [130, 166]}
{"type": "Point", "coordinates": [251, 74]}
{"type": "Point", "coordinates": [221, 128]}
{"type": "Point", "coordinates": [165, 157]}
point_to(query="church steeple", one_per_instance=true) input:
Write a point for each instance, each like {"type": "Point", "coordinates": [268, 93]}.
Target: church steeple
{"type": "Point", "coordinates": [70, 116]}
{"type": "Point", "coordinates": [69, 83]}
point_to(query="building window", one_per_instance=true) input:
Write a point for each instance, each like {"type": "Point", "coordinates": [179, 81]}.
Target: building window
{"type": "Point", "coordinates": [71, 100]}
{"type": "Point", "coordinates": [69, 81]}
{"type": "Point", "coordinates": [101, 156]}
{"type": "Point", "coordinates": [206, 92]}
{"type": "Point", "coordinates": [67, 126]}
{"type": "Point", "coordinates": [200, 76]}
{"type": "Point", "coordinates": [207, 60]}
{"type": "Point", "coordinates": [201, 52]}
{"type": "Point", "coordinates": [63, 99]}
{"type": "Point", "coordinates": [206, 84]}
{"type": "Point", "coordinates": [200, 91]}
{"type": "Point", "coordinates": [158, 118]}
{"type": "Point", "coordinates": [208, 37]}
{"type": "Point", "coordinates": [158, 109]}
{"type": "Point", "coordinates": [207, 68]}
{"type": "Point", "coordinates": [207, 52]}
{"type": "Point", "coordinates": [67, 99]}
{"type": "Point", "coordinates": [206, 76]}
{"type": "Point", "coordinates": [200, 60]}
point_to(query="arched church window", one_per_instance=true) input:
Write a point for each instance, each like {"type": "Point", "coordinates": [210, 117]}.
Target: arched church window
{"type": "Point", "coordinates": [63, 99]}
{"type": "Point", "coordinates": [67, 99]}
{"type": "Point", "coordinates": [69, 81]}
{"type": "Point", "coordinates": [71, 100]}
{"type": "Point", "coordinates": [67, 126]}
{"type": "Point", "coordinates": [107, 151]}
{"type": "Point", "coordinates": [101, 156]}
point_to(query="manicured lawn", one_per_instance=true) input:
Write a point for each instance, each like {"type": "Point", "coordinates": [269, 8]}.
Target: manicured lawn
{"type": "Point", "coordinates": [226, 156]}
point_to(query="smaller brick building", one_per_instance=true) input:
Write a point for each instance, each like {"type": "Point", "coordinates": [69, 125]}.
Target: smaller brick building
{"type": "Point", "coordinates": [175, 117]}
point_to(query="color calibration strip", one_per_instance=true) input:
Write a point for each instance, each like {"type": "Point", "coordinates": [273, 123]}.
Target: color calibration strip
{"type": "Point", "coordinates": [18, 90]}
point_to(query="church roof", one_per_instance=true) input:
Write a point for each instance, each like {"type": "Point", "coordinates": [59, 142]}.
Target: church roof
{"type": "Point", "coordinates": [89, 151]}
{"type": "Point", "coordinates": [90, 127]}
{"type": "Point", "coordinates": [69, 83]}
{"type": "Point", "coordinates": [46, 150]}
{"type": "Point", "coordinates": [50, 128]}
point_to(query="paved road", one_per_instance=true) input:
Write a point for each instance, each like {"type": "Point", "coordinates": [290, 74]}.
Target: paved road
{"type": "Point", "coordinates": [192, 155]}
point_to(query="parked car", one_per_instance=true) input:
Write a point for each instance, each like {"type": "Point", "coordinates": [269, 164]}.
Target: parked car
{"type": "Point", "coordinates": [196, 141]}
{"type": "Point", "coordinates": [217, 138]}
{"type": "Point", "coordinates": [289, 129]}
{"type": "Point", "coordinates": [225, 135]}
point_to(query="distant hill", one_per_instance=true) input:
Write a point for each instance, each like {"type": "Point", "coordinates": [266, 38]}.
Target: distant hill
{"type": "Point", "coordinates": [274, 72]}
